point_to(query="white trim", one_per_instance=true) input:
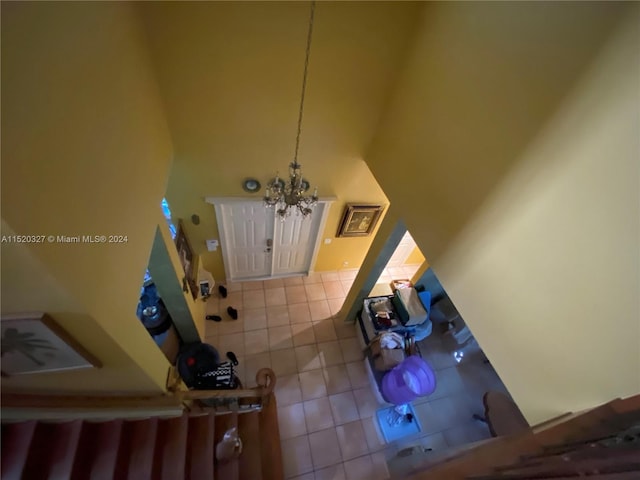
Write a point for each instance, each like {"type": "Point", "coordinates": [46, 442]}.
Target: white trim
{"type": "Point", "coordinates": [217, 202]}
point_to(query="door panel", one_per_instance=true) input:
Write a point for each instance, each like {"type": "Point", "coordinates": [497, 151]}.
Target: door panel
{"type": "Point", "coordinates": [294, 243]}
{"type": "Point", "coordinates": [247, 228]}
{"type": "Point", "coordinates": [402, 252]}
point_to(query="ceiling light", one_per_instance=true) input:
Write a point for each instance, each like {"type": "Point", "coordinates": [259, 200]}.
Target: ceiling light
{"type": "Point", "coordinates": [288, 194]}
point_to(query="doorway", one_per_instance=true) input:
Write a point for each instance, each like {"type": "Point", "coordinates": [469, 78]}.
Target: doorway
{"type": "Point", "coordinates": [405, 261]}
{"type": "Point", "coordinates": [256, 245]}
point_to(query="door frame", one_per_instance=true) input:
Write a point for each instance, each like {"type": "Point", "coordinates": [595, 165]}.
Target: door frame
{"type": "Point", "coordinates": [218, 201]}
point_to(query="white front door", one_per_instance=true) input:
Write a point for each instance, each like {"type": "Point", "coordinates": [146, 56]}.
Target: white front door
{"type": "Point", "coordinates": [294, 243]}
{"type": "Point", "coordinates": [246, 228]}
{"type": "Point", "coordinates": [256, 245]}
{"type": "Point", "coordinates": [402, 252]}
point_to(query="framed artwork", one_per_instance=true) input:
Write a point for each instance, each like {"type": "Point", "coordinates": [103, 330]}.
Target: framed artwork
{"type": "Point", "coordinates": [35, 343]}
{"type": "Point", "coordinates": [359, 220]}
{"type": "Point", "coordinates": [185, 252]}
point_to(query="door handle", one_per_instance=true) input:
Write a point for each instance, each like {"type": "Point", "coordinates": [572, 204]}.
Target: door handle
{"type": "Point", "coordinates": [268, 250]}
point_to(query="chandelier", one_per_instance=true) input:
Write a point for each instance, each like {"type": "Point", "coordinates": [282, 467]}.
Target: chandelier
{"type": "Point", "coordinates": [288, 194]}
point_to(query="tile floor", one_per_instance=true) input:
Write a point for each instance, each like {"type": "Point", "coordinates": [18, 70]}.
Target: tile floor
{"type": "Point", "coordinates": [326, 404]}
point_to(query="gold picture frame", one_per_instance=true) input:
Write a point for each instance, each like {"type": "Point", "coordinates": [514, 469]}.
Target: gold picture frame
{"type": "Point", "coordinates": [187, 257]}
{"type": "Point", "coordinates": [35, 343]}
{"type": "Point", "coordinates": [359, 220]}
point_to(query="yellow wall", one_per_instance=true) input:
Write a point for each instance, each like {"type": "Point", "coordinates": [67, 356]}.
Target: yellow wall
{"type": "Point", "coordinates": [522, 137]}
{"type": "Point", "coordinates": [231, 74]}
{"type": "Point", "coordinates": [415, 257]}
{"type": "Point", "coordinates": [85, 150]}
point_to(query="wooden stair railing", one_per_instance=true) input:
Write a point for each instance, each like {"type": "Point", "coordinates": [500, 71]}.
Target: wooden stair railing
{"type": "Point", "coordinates": [602, 443]}
{"type": "Point", "coordinates": [154, 447]}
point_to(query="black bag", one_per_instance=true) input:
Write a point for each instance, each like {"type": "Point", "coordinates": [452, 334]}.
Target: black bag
{"type": "Point", "coordinates": [200, 368]}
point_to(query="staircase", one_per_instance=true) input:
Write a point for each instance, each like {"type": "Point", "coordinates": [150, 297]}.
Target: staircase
{"type": "Point", "coordinates": [172, 448]}
{"type": "Point", "coordinates": [603, 443]}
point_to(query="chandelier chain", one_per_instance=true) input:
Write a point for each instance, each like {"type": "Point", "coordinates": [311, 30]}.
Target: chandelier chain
{"type": "Point", "coordinates": [304, 79]}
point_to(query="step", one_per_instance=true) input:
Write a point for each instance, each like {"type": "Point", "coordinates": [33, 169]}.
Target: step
{"type": "Point", "coordinates": [200, 447]}
{"type": "Point", "coordinates": [97, 450]}
{"type": "Point", "coordinates": [16, 439]}
{"type": "Point", "coordinates": [251, 459]}
{"type": "Point", "coordinates": [53, 450]}
{"type": "Point", "coordinates": [135, 455]}
{"type": "Point", "coordinates": [228, 470]}
{"type": "Point", "coordinates": [171, 448]}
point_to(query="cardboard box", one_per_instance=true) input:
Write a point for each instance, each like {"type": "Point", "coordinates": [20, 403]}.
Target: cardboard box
{"type": "Point", "coordinates": [388, 358]}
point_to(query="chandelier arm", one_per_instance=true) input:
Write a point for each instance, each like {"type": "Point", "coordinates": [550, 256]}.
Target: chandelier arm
{"type": "Point", "coordinates": [304, 79]}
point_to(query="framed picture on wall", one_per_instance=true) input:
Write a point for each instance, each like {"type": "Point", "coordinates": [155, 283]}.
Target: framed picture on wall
{"type": "Point", "coordinates": [35, 343]}
{"type": "Point", "coordinates": [185, 252]}
{"type": "Point", "coordinates": [359, 220]}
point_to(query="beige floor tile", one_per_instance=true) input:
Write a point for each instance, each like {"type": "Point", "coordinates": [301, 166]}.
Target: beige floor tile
{"type": "Point", "coordinates": [358, 374]}
{"type": "Point", "coordinates": [344, 330]}
{"type": "Point", "coordinates": [253, 363]}
{"type": "Point", "coordinates": [292, 281]}
{"type": "Point", "coordinates": [296, 456]}
{"type": "Point", "coordinates": [319, 310]}
{"type": "Point", "coordinates": [253, 299]}
{"type": "Point", "coordinates": [324, 330]}
{"type": "Point", "coordinates": [312, 278]}
{"type": "Point", "coordinates": [325, 450]}
{"type": "Point", "coordinates": [283, 362]}
{"type": "Point", "coordinates": [295, 294]}
{"type": "Point", "coordinates": [375, 440]}
{"type": "Point", "coordinates": [233, 299]}
{"type": "Point", "coordinates": [312, 385]}
{"type": "Point", "coordinates": [330, 277]}
{"type": "Point", "coordinates": [211, 328]}
{"type": "Point", "coordinates": [330, 353]}
{"type": "Point", "coordinates": [280, 337]}
{"type": "Point", "coordinates": [307, 358]}
{"type": "Point", "coordinates": [351, 350]}
{"type": "Point", "coordinates": [212, 340]}
{"type": "Point", "coordinates": [317, 414]}
{"type": "Point", "coordinates": [306, 476]}
{"type": "Point", "coordinates": [343, 407]}
{"type": "Point", "coordinates": [275, 296]}
{"type": "Point", "coordinates": [277, 315]}
{"type": "Point", "coordinates": [334, 289]}
{"type": "Point", "coordinates": [334, 472]}
{"type": "Point", "coordinates": [232, 286]}
{"type": "Point", "coordinates": [212, 306]}
{"type": "Point", "coordinates": [335, 305]}
{"type": "Point", "coordinates": [233, 342]}
{"type": "Point", "coordinates": [288, 390]}
{"type": "Point", "coordinates": [299, 313]}
{"type": "Point", "coordinates": [380, 468]}
{"type": "Point", "coordinates": [256, 341]}
{"type": "Point", "coordinates": [254, 318]}
{"type": "Point", "coordinates": [366, 402]}
{"type": "Point", "coordinates": [302, 334]}
{"type": "Point", "coordinates": [428, 417]}
{"type": "Point", "coordinates": [360, 468]}
{"type": "Point", "coordinates": [315, 292]}
{"type": "Point", "coordinates": [346, 285]}
{"type": "Point", "coordinates": [253, 285]}
{"type": "Point", "coordinates": [349, 274]}
{"type": "Point", "coordinates": [352, 440]}
{"type": "Point", "coordinates": [228, 326]}
{"type": "Point", "coordinates": [336, 379]}
{"type": "Point", "coordinates": [291, 421]}
{"type": "Point", "coordinates": [273, 283]}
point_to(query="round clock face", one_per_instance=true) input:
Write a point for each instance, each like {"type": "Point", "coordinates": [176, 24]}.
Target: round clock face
{"type": "Point", "coordinates": [251, 185]}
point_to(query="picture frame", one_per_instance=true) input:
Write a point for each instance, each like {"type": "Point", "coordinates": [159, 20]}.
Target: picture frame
{"type": "Point", "coordinates": [185, 253]}
{"type": "Point", "coordinates": [359, 220]}
{"type": "Point", "coordinates": [35, 343]}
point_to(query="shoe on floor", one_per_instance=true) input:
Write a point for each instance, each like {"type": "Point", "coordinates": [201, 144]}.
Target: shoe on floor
{"type": "Point", "coordinates": [233, 313]}
{"type": "Point", "coordinates": [223, 291]}
{"type": "Point", "coordinates": [215, 318]}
